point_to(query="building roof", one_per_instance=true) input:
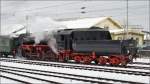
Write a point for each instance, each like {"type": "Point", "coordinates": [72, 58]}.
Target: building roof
{"type": "Point", "coordinates": [14, 28]}
{"type": "Point", "coordinates": [70, 24]}
{"type": "Point", "coordinates": [120, 31]}
{"type": "Point", "coordinates": [83, 23]}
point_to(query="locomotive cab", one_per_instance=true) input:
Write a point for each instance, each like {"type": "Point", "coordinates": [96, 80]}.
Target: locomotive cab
{"type": "Point", "coordinates": [64, 39]}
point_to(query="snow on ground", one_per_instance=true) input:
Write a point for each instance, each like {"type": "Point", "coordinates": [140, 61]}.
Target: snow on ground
{"type": "Point", "coordinates": [139, 65]}
{"type": "Point", "coordinates": [119, 68]}
{"type": "Point", "coordinates": [144, 60]}
{"type": "Point", "coordinates": [20, 77]}
{"type": "Point", "coordinates": [118, 76]}
{"type": "Point", "coordinates": [61, 80]}
{"type": "Point", "coordinates": [7, 81]}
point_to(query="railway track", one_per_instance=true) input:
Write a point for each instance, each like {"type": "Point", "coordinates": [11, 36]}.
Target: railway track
{"type": "Point", "coordinates": [141, 63]}
{"type": "Point", "coordinates": [37, 76]}
{"type": "Point", "coordinates": [86, 79]}
{"type": "Point", "coordinates": [16, 76]}
{"type": "Point", "coordinates": [73, 66]}
{"type": "Point", "coordinates": [138, 67]}
{"type": "Point", "coordinates": [15, 79]}
{"type": "Point", "coordinates": [132, 67]}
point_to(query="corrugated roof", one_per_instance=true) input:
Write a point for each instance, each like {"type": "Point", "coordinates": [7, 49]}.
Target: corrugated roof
{"type": "Point", "coordinates": [82, 23]}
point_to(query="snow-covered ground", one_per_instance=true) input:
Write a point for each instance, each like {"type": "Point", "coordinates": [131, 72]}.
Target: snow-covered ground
{"type": "Point", "coordinates": [19, 78]}
{"type": "Point", "coordinates": [118, 76]}
{"type": "Point", "coordinates": [8, 81]}
{"type": "Point", "coordinates": [144, 60]}
{"type": "Point", "coordinates": [61, 80]}
{"type": "Point", "coordinates": [107, 67]}
{"type": "Point", "coordinates": [140, 65]}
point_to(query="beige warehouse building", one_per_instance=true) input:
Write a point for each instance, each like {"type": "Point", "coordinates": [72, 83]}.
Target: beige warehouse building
{"type": "Point", "coordinates": [116, 29]}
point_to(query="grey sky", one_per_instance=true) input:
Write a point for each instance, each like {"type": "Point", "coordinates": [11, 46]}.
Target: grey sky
{"type": "Point", "coordinates": [13, 12]}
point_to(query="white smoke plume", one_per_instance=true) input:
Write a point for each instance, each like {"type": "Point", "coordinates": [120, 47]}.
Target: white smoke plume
{"type": "Point", "coordinates": [40, 24]}
{"type": "Point", "coordinates": [43, 28]}
{"type": "Point", "coordinates": [52, 43]}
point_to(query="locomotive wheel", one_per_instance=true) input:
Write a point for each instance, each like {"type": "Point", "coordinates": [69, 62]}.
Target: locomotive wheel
{"type": "Point", "coordinates": [77, 59]}
{"type": "Point", "coordinates": [65, 60]}
{"type": "Point", "coordinates": [30, 57]}
{"type": "Point", "coordinates": [87, 60]}
{"type": "Point", "coordinates": [45, 56]}
{"type": "Point", "coordinates": [102, 60]}
{"type": "Point", "coordinates": [48, 56]}
{"type": "Point", "coordinates": [123, 63]}
{"type": "Point", "coordinates": [39, 57]}
{"type": "Point", "coordinates": [96, 62]}
{"type": "Point", "coordinates": [114, 61]}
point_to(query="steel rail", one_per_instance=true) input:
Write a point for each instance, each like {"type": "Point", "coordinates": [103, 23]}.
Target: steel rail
{"type": "Point", "coordinates": [47, 73]}
{"type": "Point", "coordinates": [6, 71]}
{"type": "Point", "coordinates": [24, 82]}
{"type": "Point", "coordinates": [82, 67]}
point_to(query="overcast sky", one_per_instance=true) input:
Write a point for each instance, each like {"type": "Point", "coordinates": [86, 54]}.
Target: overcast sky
{"type": "Point", "coordinates": [14, 12]}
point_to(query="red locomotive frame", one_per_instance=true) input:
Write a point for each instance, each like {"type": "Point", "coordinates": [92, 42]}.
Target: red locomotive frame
{"type": "Point", "coordinates": [44, 52]}
{"type": "Point", "coordinates": [73, 44]}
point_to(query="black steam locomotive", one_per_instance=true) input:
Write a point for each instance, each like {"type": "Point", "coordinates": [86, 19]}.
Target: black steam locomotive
{"type": "Point", "coordinates": [81, 45]}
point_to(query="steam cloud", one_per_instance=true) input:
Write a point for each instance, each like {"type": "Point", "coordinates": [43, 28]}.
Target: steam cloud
{"type": "Point", "coordinates": [44, 28]}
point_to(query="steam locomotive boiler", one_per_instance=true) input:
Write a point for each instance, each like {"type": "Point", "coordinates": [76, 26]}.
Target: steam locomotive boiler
{"type": "Point", "coordinates": [81, 45]}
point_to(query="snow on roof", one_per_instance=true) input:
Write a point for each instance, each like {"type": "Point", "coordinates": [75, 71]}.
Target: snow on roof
{"type": "Point", "coordinates": [14, 27]}
{"type": "Point", "coordinates": [21, 32]}
{"type": "Point", "coordinates": [116, 30]}
{"type": "Point", "coordinates": [122, 30]}
{"type": "Point", "coordinates": [82, 23]}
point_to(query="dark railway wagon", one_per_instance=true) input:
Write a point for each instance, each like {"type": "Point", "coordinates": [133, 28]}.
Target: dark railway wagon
{"type": "Point", "coordinates": [7, 45]}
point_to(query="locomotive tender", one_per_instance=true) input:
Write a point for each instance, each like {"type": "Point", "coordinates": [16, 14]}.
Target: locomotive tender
{"type": "Point", "coordinates": [81, 45]}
